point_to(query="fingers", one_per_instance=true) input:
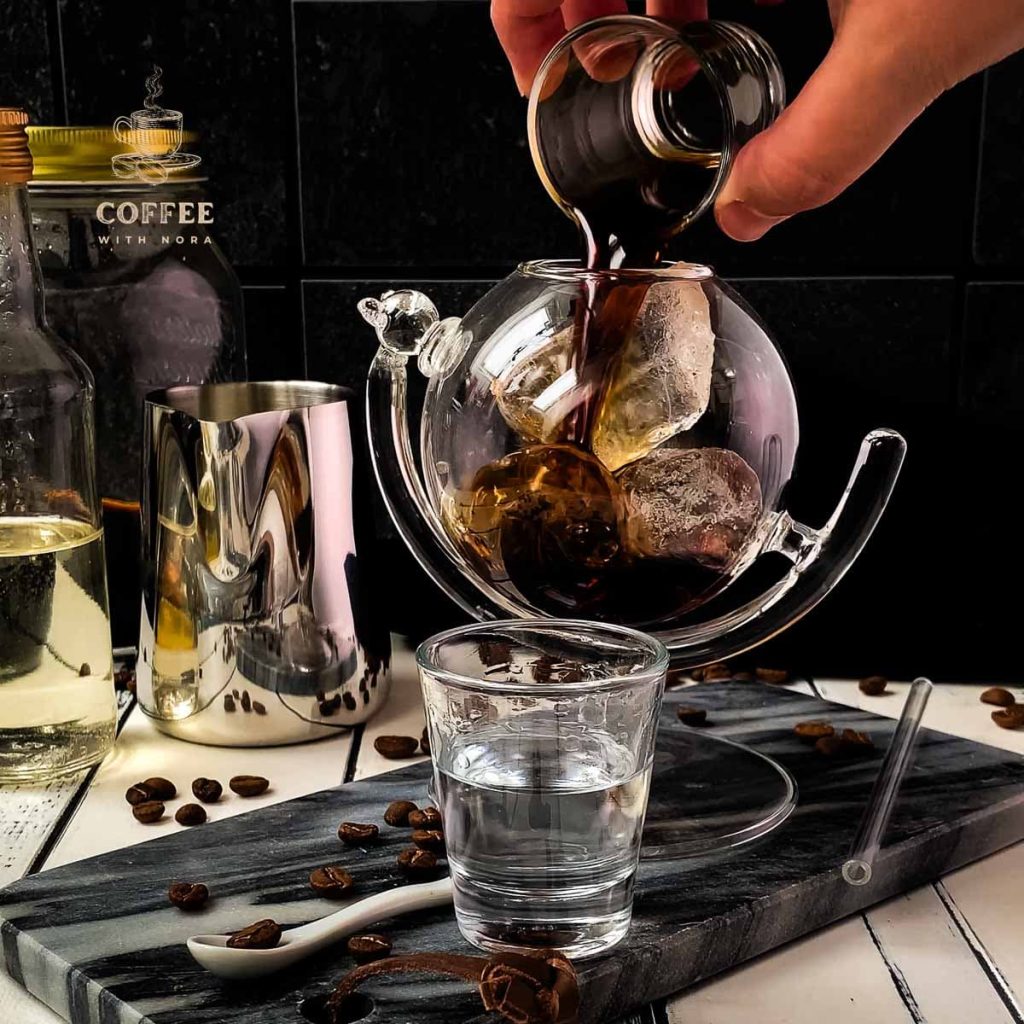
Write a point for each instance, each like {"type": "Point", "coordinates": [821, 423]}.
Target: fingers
{"type": "Point", "coordinates": [526, 29]}
{"type": "Point", "coordinates": [678, 11]}
{"type": "Point", "coordinates": [851, 110]}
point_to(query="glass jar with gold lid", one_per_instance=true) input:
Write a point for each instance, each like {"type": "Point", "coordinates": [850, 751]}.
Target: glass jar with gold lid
{"type": "Point", "coordinates": [136, 284]}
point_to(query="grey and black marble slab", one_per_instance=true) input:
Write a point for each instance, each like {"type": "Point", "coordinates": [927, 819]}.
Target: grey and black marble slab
{"type": "Point", "coordinates": [98, 942]}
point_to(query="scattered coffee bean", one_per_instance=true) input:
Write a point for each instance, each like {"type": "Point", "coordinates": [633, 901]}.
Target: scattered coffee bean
{"type": "Point", "coordinates": [138, 794]}
{"type": "Point", "coordinates": [349, 701]}
{"type": "Point", "coordinates": [366, 948]}
{"type": "Point", "coordinates": [417, 863]}
{"type": "Point", "coordinates": [771, 675]}
{"type": "Point", "coordinates": [265, 934]}
{"type": "Point", "coordinates": [998, 696]}
{"type": "Point", "coordinates": [873, 685]}
{"type": "Point", "coordinates": [398, 812]}
{"type": "Point", "coordinates": [207, 790]}
{"type": "Point", "coordinates": [246, 702]}
{"type": "Point", "coordinates": [352, 833]}
{"type": "Point", "coordinates": [331, 881]}
{"type": "Point", "coordinates": [190, 814]}
{"type": "Point", "coordinates": [691, 716]}
{"type": "Point", "coordinates": [248, 785]}
{"type": "Point", "coordinates": [830, 746]}
{"type": "Point", "coordinates": [1009, 718]}
{"type": "Point", "coordinates": [425, 743]}
{"type": "Point", "coordinates": [429, 817]}
{"type": "Point", "coordinates": [188, 895]}
{"type": "Point", "coordinates": [148, 812]}
{"type": "Point", "coordinates": [395, 747]}
{"type": "Point", "coordinates": [330, 707]}
{"type": "Point", "coordinates": [259, 708]}
{"type": "Point", "coordinates": [856, 742]}
{"type": "Point", "coordinates": [229, 702]}
{"type": "Point", "coordinates": [431, 839]}
{"type": "Point", "coordinates": [813, 731]}
{"type": "Point", "coordinates": [716, 673]}
{"type": "Point", "coordinates": [162, 789]}
{"type": "Point", "coordinates": [743, 677]}
{"type": "Point", "coordinates": [84, 670]}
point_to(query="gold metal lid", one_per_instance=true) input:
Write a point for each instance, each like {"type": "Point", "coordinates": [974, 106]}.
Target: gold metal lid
{"type": "Point", "coordinates": [78, 154]}
{"type": "Point", "coordinates": [15, 156]}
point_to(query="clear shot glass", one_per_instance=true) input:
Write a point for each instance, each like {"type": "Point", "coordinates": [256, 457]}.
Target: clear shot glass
{"type": "Point", "coordinates": [542, 734]}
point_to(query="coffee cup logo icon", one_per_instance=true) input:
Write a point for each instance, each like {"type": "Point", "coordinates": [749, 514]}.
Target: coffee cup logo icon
{"type": "Point", "coordinates": [154, 135]}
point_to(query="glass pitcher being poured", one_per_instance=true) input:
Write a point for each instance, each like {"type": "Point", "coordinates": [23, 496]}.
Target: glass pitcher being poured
{"type": "Point", "coordinates": [611, 439]}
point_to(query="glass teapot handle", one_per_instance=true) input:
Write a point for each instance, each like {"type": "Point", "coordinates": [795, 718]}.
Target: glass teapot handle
{"type": "Point", "coordinates": [408, 326]}
{"type": "Point", "coordinates": [820, 560]}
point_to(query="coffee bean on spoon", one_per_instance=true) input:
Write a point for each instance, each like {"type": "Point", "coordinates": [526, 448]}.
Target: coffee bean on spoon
{"type": "Point", "coordinates": [162, 789]}
{"type": "Point", "coordinates": [416, 863]}
{"type": "Point", "coordinates": [366, 948]}
{"type": "Point", "coordinates": [398, 812]}
{"type": "Point", "coordinates": [431, 839]}
{"type": "Point", "coordinates": [395, 748]}
{"type": "Point", "coordinates": [138, 794]}
{"type": "Point", "coordinates": [190, 814]}
{"type": "Point", "coordinates": [248, 785]}
{"type": "Point", "coordinates": [207, 790]}
{"type": "Point", "coordinates": [265, 934]}
{"type": "Point", "coordinates": [429, 817]}
{"type": "Point", "coordinates": [188, 895]}
{"type": "Point", "coordinates": [148, 812]}
{"type": "Point", "coordinates": [998, 696]}
{"type": "Point", "coordinates": [332, 881]}
{"type": "Point", "coordinates": [353, 833]}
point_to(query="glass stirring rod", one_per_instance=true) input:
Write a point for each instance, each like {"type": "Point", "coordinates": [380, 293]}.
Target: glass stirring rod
{"type": "Point", "coordinates": [858, 866]}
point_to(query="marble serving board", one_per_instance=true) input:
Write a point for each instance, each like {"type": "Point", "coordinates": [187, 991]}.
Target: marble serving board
{"type": "Point", "coordinates": [97, 941]}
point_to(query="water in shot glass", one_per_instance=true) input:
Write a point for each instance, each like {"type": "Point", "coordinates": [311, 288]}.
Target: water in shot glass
{"type": "Point", "coordinates": [542, 734]}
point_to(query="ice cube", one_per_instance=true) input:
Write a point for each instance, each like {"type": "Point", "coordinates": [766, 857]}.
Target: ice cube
{"type": "Point", "coordinates": [661, 380]}
{"type": "Point", "coordinates": [696, 503]}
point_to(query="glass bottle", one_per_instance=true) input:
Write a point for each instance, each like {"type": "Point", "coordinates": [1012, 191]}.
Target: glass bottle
{"type": "Point", "coordinates": [57, 707]}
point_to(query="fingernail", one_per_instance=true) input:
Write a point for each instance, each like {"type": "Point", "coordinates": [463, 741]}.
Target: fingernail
{"type": "Point", "coordinates": [743, 222]}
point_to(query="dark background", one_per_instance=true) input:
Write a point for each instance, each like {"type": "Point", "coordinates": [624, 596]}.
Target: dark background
{"type": "Point", "coordinates": [356, 146]}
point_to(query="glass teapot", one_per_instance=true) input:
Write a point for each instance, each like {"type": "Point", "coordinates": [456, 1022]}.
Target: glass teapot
{"type": "Point", "coordinates": [614, 444]}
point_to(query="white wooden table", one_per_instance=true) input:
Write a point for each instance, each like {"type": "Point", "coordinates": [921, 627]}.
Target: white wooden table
{"type": "Point", "coordinates": [948, 953]}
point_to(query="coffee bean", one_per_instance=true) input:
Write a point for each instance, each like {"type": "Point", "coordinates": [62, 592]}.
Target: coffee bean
{"type": "Point", "coordinates": [188, 895]}
{"type": "Point", "coordinates": [417, 863]}
{"type": "Point", "coordinates": [259, 708]}
{"type": "Point", "coordinates": [148, 812]}
{"type": "Point", "coordinates": [162, 789]}
{"type": "Point", "coordinates": [429, 839]}
{"type": "Point", "coordinates": [229, 702]}
{"type": "Point", "coordinates": [873, 685]}
{"type": "Point", "coordinates": [691, 716]}
{"type": "Point", "coordinates": [235, 694]}
{"type": "Point", "coordinates": [395, 747]}
{"type": "Point", "coordinates": [398, 812]}
{"type": "Point", "coordinates": [331, 881]}
{"type": "Point", "coordinates": [248, 785]}
{"type": "Point", "coordinates": [1009, 718]}
{"type": "Point", "coordinates": [425, 743]}
{"type": "Point", "coordinates": [352, 833]}
{"type": "Point", "coordinates": [190, 814]}
{"type": "Point", "coordinates": [84, 670]}
{"type": "Point", "coordinates": [676, 677]}
{"type": "Point", "coordinates": [716, 673]}
{"type": "Point", "coordinates": [366, 948]}
{"type": "Point", "coordinates": [330, 707]}
{"type": "Point", "coordinates": [813, 731]}
{"type": "Point", "coordinates": [998, 696]}
{"type": "Point", "coordinates": [743, 677]}
{"type": "Point", "coordinates": [265, 934]}
{"type": "Point", "coordinates": [429, 817]}
{"type": "Point", "coordinates": [207, 790]}
{"type": "Point", "coordinates": [138, 794]}
{"type": "Point", "coordinates": [246, 702]}
{"type": "Point", "coordinates": [830, 746]}
{"type": "Point", "coordinates": [771, 675]}
{"type": "Point", "coordinates": [856, 742]}
{"type": "Point", "coordinates": [349, 701]}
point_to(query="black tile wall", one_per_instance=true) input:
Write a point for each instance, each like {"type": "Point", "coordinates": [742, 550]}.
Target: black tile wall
{"type": "Point", "coordinates": [357, 145]}
{"type": "Point", "coordinates": [224, 66]}
{"type": "Point", "coordinates": [999, 229]}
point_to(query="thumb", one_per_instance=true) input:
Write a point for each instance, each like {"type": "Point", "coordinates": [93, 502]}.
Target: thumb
{"type": "Point", "coordinates": [850, 111]}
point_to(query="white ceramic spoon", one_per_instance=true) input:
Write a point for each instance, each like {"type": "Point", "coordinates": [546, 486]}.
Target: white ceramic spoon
{"type": "Point", "coordinates": [213, 952]}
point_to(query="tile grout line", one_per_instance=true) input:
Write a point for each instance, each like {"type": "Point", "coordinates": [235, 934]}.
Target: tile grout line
{"type": "Point", "coordinates": [298, 136]}
{"type": "Point", "coordinates": [981, 954]}
{"type": "Point", "coordinates": [898, 980]}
